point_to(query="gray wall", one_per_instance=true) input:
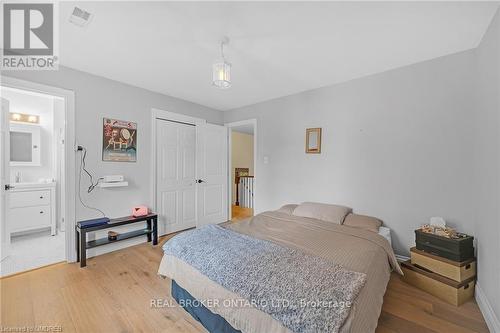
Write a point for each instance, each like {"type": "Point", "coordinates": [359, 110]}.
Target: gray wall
{"type": "Point", "coordinates": [487, 164]}
{"type": "Point", "coordinates": [395, 145]}
{"type": "Point", "coordinates": [97, 97]}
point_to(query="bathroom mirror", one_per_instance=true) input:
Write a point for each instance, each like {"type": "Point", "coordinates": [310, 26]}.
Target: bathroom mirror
{"type": "Point", "coordinates": [313, 140]}
{"type": "Point", "coordinates": [24, 145]}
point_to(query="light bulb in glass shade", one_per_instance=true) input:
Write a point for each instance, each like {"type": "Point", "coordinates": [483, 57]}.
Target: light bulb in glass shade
{"type": "Point", "coordinates": [222, 75]}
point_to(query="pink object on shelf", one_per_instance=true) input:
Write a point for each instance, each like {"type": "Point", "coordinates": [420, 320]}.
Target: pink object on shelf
{"type": "Point", "coordinates": [140, 211]}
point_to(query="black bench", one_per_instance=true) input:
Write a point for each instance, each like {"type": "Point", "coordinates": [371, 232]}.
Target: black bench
{"type": "Point", "coordinates": [82, 245]}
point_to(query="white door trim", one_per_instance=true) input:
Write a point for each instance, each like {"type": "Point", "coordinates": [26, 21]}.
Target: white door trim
{"type": "Point", "coordinates": [169, 116]}
{"type": "Point", "coordinates": [4, 178]}
{"type": "Point", "coordinates": [70, 152]}
{"type": "Point", "coordinates": [172, 116]}
{"type": "Point", "coordinates": [253, 122]}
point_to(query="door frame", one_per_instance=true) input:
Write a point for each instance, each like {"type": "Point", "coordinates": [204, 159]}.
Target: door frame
{"type": "Point", "coordinates": [230, 126]}
{"type": "Point", "coordinates": [5, 175]}
{"type": "Point", "coordinates": [158, 114]}
{"type": "Point", "coordinates": [70, 152]}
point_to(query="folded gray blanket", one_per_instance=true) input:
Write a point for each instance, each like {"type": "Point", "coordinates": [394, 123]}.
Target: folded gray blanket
{"type": "Point", "coordinates": [305, 293]}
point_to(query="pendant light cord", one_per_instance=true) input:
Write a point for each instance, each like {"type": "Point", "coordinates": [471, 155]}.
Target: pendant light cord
{"type": "Point", "coordinates": [222, 50]}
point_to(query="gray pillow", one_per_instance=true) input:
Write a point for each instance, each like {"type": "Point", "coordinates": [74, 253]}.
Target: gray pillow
{"type": "Point", "coordinates": [323, 212]}
{"type": "Point", "coordinates": [363, 222]}
{"type": "Point", "coordinates": [287, 209]}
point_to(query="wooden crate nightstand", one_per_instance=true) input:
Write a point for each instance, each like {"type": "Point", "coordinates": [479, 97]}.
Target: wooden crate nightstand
{"type": "Point", "coordinates": [455, 270]}
{"type": "Point", "coordinates": [442, 266]}
{"type": "Point", "coordinates": [448, 290]}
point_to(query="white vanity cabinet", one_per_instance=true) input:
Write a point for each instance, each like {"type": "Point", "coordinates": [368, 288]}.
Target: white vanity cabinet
{"type": "Point", "coordinates": [32, 207]}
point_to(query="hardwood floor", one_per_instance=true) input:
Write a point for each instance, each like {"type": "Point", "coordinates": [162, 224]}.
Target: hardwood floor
{"type": "Point", "coordinates": [408, 309]}
{"type": "Point", "coordinates": [240, 213]}
{"type": "Point", "coordinates": [114, 294]}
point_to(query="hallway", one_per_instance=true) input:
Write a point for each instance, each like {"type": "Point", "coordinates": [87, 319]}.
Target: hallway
{"type": "Point", "coordinates": [240, 213]}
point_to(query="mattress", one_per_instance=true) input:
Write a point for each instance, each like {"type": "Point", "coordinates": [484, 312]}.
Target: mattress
{"type": "Point", "coordinates": [355, 249]}
{"type": "Point", "coordinates": [211, 321]}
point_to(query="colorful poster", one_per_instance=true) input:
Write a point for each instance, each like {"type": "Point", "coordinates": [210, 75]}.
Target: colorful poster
{"type": "Point", "coordinates": [119, 141]}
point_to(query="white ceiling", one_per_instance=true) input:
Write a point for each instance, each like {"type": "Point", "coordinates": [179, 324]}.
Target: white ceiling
{"type": "Point", "coordinates": [276, 48]}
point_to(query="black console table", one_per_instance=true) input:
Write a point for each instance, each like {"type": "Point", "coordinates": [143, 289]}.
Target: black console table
{"type": "Point", "coordinates": [81, 234]}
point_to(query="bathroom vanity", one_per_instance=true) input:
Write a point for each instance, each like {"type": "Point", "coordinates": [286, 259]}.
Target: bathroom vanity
{"type": "Point", "coordinates": [32, 206]}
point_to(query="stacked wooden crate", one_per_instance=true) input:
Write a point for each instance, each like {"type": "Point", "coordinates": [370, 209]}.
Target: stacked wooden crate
{"type": "Point", "coordinates": [450, 280]}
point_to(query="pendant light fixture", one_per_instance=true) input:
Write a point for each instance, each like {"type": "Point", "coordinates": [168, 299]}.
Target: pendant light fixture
{"type": "Point", "coordinates": [221, 77]}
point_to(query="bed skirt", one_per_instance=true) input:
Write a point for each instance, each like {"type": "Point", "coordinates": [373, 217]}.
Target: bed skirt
{"type": "Point", "coordinates": [214, 323]}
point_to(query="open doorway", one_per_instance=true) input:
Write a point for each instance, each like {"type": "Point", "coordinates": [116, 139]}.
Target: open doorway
{"type": "Point", "coordinates": [35, 200]}
{"type": "Point", "coordinates": [242, 137]}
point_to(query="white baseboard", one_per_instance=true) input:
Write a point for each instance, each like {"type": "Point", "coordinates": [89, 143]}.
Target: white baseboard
{"type": "Point", "coordinates": [489, 315]}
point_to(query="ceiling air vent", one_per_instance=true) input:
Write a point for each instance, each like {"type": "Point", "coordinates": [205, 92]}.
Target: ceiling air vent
{"type": "Point", "coordinates": [80, 17]}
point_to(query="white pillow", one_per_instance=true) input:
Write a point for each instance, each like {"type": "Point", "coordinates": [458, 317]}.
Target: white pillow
{"type": "Point", "coordinates": [323, 212]}
{"type": "Point", "coordinates": [386, 233]}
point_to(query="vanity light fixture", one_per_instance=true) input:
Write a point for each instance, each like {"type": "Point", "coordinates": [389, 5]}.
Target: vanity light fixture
{"type": "Point", "coordinates": [24, 118]}
{"type": "Point", "coordinates": [222, 70]}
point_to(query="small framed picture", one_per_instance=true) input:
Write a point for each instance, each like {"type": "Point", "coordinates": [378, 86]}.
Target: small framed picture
{"type": "Point", "coordinates": [313, 141]}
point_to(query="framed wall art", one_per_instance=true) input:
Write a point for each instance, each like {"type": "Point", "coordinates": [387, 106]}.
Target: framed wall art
{"type": "Point", "coordinates": [313, 140]}
{"type": "Point", "coordinates": [119, 140]}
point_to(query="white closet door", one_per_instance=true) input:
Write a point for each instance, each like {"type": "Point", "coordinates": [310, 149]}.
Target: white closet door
{"type": "Point", "coordinates": [212, 173]}
{"type": "Point", "coordinates": [4, 178]}
{"type": "Point", "coordinates": [175, 176]}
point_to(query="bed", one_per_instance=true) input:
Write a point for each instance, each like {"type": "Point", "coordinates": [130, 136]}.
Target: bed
{"type": "Point", "coordinates": [362, 256]}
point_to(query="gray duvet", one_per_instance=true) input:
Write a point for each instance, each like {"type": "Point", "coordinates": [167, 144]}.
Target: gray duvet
{"type": "Point", "coordinates": [304, 292]}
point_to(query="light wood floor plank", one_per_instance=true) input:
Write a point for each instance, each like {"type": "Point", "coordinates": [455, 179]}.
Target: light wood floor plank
{"type": "Point", "coordinates": [393, 323]}
{"type": "Point", "coordinates": [48, 305]}
{"type": "Point", "coordinates": [91, 310]}
{"type": "Point", "coordinates": [18, 296]}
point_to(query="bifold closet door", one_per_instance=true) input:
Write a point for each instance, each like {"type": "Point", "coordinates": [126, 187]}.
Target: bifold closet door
{"type": "Point", "coordinates": [175, 176]}
{"type": "Point", "coordinates": [212, 177]}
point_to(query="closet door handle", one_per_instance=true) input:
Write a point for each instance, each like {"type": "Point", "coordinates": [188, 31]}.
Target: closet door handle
{"type": "Point", "coordinates": [199, 181]}
{"type": "Point", "coordinates": [41, 197]}
{"type": "Point", "coordinates": [41, 212]}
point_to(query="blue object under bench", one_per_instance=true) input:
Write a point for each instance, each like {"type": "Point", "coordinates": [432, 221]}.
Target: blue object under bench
{"type": "Point", "coordinates": [214, 323]}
